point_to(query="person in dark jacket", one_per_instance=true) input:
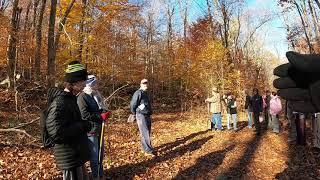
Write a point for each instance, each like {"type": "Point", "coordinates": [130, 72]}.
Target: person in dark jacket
{"type": "Point", "coordinates": [65, 125]}
{"type": "Point", "coordinates": [248, 108]}
{"type": "Point", "coordinates": [267, 115]}
{"type": "Point", "coordinates": [257, 108]}
{"type": "Point", "coordinates": [232, 112]}
{"type": "Point", "coordinates": [92, 112]}
{"type": "Point", "coordinates": [140, 107]}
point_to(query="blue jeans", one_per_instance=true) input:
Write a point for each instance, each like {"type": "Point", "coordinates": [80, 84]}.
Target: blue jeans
{"type": "Point", "coordinates": [94, 156]}
{"type": "Point", "coordinates": [249, 118]}
{"type": "Point", "coordinates": [144, 124]}
{"type": "Point", "coordinates": [234, 118]}
{"type": "Point", "coordinates": [216, 120]}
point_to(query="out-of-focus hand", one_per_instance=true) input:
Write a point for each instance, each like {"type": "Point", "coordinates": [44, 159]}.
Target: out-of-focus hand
{"type": "Point", "coordinates": [299, 82]}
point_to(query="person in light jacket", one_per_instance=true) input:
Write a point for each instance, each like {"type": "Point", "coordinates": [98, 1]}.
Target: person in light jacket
{"type": "Point", "coordinates": [215, 109]}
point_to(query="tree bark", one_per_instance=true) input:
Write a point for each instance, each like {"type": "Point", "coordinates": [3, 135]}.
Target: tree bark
{"type": "Point", "coordinates": [37, 57]}
{"type": "Point", "coordinates": [51, 45]}
{"type": "Point", "coordinates": [210, 19]}
{"type": "Point", "coordinates": [26, 22]}
{"type": "Point", "coordinates": [35, 8]}
{"type": "Point", "coordinates": [12, 43]}
{"type": "Point", "coordinates": [81, 30]}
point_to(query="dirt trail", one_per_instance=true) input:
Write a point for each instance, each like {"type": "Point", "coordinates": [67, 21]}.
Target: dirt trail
{"type": "Point", "coordinates": [186, 150]}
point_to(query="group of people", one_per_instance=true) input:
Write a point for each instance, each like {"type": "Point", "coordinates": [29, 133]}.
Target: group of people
{"type": "Point", "coordinates": [75, 119]}
{"type": "Point", "coordinates": [257, 107]}
{"type": "Point", "coordinates": [74, 123]}
{"type": "Point", "coordinates": [265, 109]}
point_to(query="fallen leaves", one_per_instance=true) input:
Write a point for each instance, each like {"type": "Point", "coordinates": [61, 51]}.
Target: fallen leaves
{"type": "Point", "coordinates": [185, 150]}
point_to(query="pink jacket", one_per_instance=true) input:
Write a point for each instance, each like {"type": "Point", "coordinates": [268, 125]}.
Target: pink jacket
{"type": "Point", "coordinates": [275, 105]}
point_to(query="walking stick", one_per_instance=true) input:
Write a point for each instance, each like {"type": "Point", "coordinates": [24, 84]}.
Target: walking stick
{"type": "Point", "coordinates": [101, 142]}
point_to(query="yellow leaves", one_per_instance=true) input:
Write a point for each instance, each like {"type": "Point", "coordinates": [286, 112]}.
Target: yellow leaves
{"type": "Point", "coordinates": [214, 53]}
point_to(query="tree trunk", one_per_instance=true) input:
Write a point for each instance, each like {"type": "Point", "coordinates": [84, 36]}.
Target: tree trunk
{"type": "Point", "coordinates": [51, 45]}
{"type": "Point", "coordinates": [81, 30]}
{"type": "Point", "coordinates": [304, 27]}
{"type": "Point", "coordinates": [35, 8]}
{"type": "Point", "coordinates": [62, 23]}
{"type": "Point", "coordinates": [210, 19]}
{"type": "Point", "coordinates": [170, 12]}
{"type": "Point", "coordinates": [12, 43]}
{"type": "Point", "coordinates": [26, 22]}
{"type": "Point", "coordinates": [37, 57]}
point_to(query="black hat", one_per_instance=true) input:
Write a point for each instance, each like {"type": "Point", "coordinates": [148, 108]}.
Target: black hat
{"type": "Point", "coordinates": [75, 72]}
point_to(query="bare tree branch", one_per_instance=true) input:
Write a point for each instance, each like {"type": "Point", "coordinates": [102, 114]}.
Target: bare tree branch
{"type": "Point", "coordinates": [25, 124]}
{"type": "Point", "coordinates": [114, 92]}
{"type": "Point", "coordinates": [17, 130]}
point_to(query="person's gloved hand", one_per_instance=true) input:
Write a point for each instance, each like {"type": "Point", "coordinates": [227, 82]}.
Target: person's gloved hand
{"type": "Point", "coordinates": [105, 115]}
{"type": "Point", "coordinates": [299, 82]}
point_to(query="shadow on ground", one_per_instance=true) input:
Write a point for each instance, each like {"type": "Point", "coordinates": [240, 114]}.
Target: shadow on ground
{"type": "Point", "coordinates": [204, 165]}
{"type": "Point", "coordinates": [128, 171]}
{"type": "Point", "coordinates": [240, 168]}
{"type": "Point", "coordinates": [303, 162]}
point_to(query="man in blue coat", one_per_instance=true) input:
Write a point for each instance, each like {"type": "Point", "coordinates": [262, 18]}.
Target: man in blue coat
{"type": "Point", "coordinates": [140, 107]}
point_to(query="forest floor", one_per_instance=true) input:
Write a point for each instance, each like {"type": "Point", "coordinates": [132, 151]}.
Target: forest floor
{"type": "Point", "coordinates": [186, 150]}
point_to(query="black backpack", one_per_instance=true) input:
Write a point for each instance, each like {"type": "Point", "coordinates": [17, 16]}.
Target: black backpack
{"type": "Point", "coordinates": [47, 141]}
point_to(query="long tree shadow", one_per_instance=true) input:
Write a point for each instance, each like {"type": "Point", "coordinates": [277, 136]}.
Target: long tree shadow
{"type": "Point", "coordinates": [178, 142]}
{"type": "Point", "coordinates": [128, 171]}
{"type": "Point", "coordinates": [303, 163]}
{"type": "Point", "coordinates": [241, 125]}
{"type": "Point", "coordinates": [240, 167]}
{"type": "Point", "coordinates": [204, 165]}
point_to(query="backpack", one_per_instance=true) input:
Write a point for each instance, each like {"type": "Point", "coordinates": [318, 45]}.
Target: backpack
{"type": "Point", "coordinates": [47, 141]}
{"type": "Point", "coordinates": [275, 106]}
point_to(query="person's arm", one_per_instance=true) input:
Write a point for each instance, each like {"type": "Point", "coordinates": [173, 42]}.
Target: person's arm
{"type": "Point", "coordinates": [58, 127]}
{"type": "Point", "coordinates": [135, 102]}
{"type": "Point", "coordinates": [85, 114]}
{"type": "Point", "coordinates": [213, 99]}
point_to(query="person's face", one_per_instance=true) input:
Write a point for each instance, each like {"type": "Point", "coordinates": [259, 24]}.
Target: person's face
{"type": "Point", "coordinates": [268, 93]}
{"type": "Point", "coordinates": [255, 92]}
{"type": "Point", "coordinates": [78, 86]}
{"type": "Point", "coordinates": [144, 86]}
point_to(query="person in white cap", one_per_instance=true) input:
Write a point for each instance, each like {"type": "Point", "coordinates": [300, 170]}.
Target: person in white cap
{"type": "Point", "coordinates": [140, 107]}
{"type": "Point", "coordinates": [93, 110]}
